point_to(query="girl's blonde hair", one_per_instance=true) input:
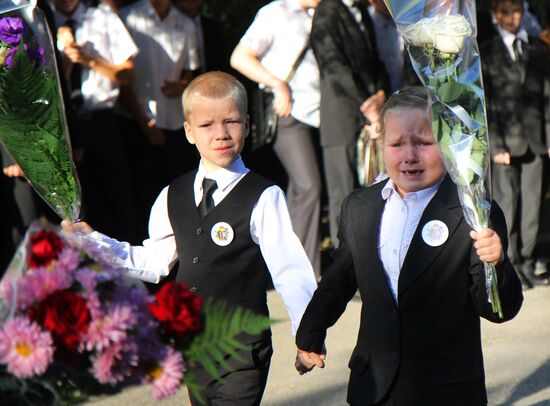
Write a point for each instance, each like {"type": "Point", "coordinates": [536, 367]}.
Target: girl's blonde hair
{"type": "Point", "coordinates": [415, 97]}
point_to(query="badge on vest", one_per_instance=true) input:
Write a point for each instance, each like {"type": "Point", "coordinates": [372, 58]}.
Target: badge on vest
{"type": "Point", "coordinates": [222, 234]}
{"type": "Point", "coordinates": [435, 233]}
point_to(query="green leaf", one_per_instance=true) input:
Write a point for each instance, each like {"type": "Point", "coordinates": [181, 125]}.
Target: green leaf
{"type": "Point", "coordinates": [450, 91]}
{"type": "Point", "coordinates": [218, 342]}
{"type": "Point", "coordinates": [32, 131]}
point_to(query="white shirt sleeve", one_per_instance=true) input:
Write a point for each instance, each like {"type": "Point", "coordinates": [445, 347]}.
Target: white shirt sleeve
{"type": "Point", "coordinates": [154, 259]}
{"type": "Point", "coordinates": [259, 36]}
{"type": "Point", "coordinates": [288, 264]}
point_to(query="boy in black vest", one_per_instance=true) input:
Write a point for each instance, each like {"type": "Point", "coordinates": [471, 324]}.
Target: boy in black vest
{"type": "Point", "coordinates": [227, 227]}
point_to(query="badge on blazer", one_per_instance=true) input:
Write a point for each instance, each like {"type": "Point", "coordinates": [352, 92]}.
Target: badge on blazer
{"type": "Point", "coordinates": [222, 234]}
{"type": "Point", "coordinates": [435, 233]}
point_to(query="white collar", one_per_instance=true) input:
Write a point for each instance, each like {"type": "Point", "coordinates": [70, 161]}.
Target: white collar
{"type": "Point", "coordinates": [420, 195]}
{"type": "Point", "coordinates": [223, 176]}
{"type": "Point", "coordinates": [509, 37]}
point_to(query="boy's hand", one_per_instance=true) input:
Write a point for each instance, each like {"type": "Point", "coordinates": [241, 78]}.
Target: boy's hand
{"type": "Point", "coordinates": [80, 227]}
{"type": "Point", "coordinates": [306, 361]}
{"type": "Point", "coordinates": [488, 246]}
{"type": "Point", "coordinates": [13, 171]}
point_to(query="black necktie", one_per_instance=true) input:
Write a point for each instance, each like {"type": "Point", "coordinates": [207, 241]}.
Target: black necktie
{"type": "Point", "coordinates": [76, 74]}
{"type": "Point", "coordinates": [518, 54]}
{"type": "Point", "coordinates": [209, 186]}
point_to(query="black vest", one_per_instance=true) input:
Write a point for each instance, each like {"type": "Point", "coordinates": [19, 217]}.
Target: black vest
{"type": "Point", "coordinates": [235, 273]}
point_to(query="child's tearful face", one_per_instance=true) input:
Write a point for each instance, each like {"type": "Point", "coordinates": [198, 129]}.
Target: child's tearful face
{"type": "Point", "coordinates": [411, 154]}
{"type": "Point", "coordinates": [218, 129]}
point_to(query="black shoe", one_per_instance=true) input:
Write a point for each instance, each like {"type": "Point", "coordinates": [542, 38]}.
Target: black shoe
{"type": "Point", "coordinates": [528, 270]}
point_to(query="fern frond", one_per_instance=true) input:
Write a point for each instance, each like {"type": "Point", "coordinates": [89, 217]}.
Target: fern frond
{"type": "Point", "coordinates": [218, 341]}
{"type": "Point", "coordinates": [32, 131]}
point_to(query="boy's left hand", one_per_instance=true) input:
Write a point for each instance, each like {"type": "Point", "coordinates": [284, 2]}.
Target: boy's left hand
{"type": "Point", "coordinates": [488, 246]}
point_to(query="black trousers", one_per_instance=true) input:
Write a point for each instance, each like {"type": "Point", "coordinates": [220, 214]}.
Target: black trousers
{"type": "Point", "coordinates": [244, 386]}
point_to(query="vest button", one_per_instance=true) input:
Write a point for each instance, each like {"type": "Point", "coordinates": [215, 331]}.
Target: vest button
{"type": "Point", "coordinates": [199, 231]}
{"type": "Point", "coordinates": [193, 289]}
{"type": "Point", "coordinates": [196, 260]}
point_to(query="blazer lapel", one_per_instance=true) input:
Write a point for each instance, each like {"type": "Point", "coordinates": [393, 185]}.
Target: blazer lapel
{"type": "Point", "coordinates": [366, 231]}
{"type": "Point", "coordinates": [445, 207]}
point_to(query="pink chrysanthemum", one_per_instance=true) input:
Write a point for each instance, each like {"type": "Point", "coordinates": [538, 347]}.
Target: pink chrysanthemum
{"type": "Point", "coordinates": [166, 375]}
{"type": "Point", "coordinates": [25, 348]}
{"type": "Point", "coordinates": [69, 259]}
{"type": "Point", "coordinates": [87, 278]}
{"type": "Point", "coordinates": [112, 327]}
{"type": "Point", "coordinates": [41, 282]}
{"type": "Point", "coordinates": [115, 363]}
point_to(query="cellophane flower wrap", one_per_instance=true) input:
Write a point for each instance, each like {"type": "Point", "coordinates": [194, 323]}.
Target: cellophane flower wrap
{"type": "Point", "coordinates": [440, 36]}
{"type": "Point", "coordinates": [33, 126]}
{"type": "Point", "coordinates": [72, 326]}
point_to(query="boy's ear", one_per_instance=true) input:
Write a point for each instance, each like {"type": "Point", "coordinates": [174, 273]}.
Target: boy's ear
{"type": "Point", "coordinates": [188, 132]}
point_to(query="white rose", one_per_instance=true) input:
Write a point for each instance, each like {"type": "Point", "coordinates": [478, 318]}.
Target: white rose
{"type": "Point", "coordinates": [420, 33]}
{"type": "Point", "coordinates": [3, 54]}
{"type": "Point", "coordinates": [450, 32]}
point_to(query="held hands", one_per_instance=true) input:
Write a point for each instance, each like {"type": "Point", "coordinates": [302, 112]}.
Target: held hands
{"type": "Point", "coordinates": [306, 361]}
{"type": "Point", "coordinates": [488, 246]}
{"type": "Point", "coordinates": [283, 99]}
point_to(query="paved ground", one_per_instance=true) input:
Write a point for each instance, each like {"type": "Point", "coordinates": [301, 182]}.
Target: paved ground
{"type": "Point", "coordinates": [517, 362]}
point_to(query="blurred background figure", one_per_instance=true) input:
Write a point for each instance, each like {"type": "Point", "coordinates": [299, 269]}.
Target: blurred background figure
{"type": "Point", "coordinates": [266, 54]}
{"type": "Point", "coordinates": [211, 39]}
{"type": "Point", "coordinates": [517, 83]}
{"type": "Point", "coordinates": [354, 84]}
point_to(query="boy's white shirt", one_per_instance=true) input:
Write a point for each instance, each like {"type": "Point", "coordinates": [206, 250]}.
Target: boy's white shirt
{"type": "Point", "coordinates": [270, 228]}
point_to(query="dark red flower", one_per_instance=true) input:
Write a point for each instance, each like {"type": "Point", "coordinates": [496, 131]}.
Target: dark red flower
{"type": "Point", "coordinates": [66, 315]}
{"type": "Point", "coordinates": [177, 308]}
{"type": "Point", "coordinates": [45, 247]}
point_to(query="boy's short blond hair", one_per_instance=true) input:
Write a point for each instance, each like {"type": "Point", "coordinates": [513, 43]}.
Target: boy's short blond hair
{"type": "Point", "coordinates": [415, 97]}
{"type": "Point", "coordinates": [214, 86]}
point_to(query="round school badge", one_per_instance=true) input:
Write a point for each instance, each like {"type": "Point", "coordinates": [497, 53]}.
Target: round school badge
{"type": "Point", "coordinates": [222, 234]}
{"type": "Point", "coordinates": [435, 233]}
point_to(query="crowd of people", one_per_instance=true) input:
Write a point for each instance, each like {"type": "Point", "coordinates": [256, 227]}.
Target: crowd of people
{"type": "Point", "coordinates": [124, 66]}
{"type": "Point", "coordinates": [335, 67]}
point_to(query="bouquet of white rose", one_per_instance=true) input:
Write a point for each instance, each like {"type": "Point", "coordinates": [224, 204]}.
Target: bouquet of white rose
{"type": "Point", "coordinates": [440, 36]}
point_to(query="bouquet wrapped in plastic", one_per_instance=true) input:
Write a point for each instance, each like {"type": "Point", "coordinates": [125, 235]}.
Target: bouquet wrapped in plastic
{"type": "Point", "coordinates": [70, 325]}
{"type": "Point", "coordinates": [33, 127]}
{"type": "Point", "coordinates": [440, 36]}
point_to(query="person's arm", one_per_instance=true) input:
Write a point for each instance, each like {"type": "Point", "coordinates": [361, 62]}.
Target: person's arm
{"type": "Point", "coordinates": [490, 245]}
{"type": "Point", "coordinates": [149, 262]}
{"type": "Point", "coordinates": [290, 269]}
{"type": "Point", "coordinates": [246, 60]}
{"type": "Point", "coordinates": [122, 73]}
{"type": "Point", "coordinates": [173, 89]}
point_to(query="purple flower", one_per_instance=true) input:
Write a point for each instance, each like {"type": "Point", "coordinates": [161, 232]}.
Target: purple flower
{"type": "Point", "coordinates": [11, 30]}
{"type": "Point", "coordinates": [25, 348]}
{"type": "Point", "coordinates": [36, 55]}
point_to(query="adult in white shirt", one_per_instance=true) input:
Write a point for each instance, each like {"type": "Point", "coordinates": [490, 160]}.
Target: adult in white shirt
{"type": "Point", "coordinates": [266, 54]}
{"type": "Point", "coordinates": [97, 53]}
